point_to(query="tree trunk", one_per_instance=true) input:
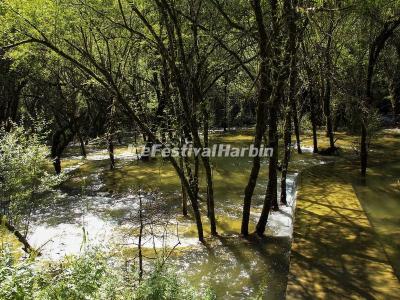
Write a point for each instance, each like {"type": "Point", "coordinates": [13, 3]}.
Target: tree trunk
{"type": "Point", "coordinates": [184, 193]}
{"type": "Point", "coordinates": [291, 109]}
{"type": "Point", "coordinates": [210, 196]}
{"type": "Point", "coordinates": [313, 119]}
{"type": "Point", "coordinates": [82, 145]}
{"type": "Point", "coordinates": [110, 135]}
{"type": "Point", "coordinates": [208, 169]}
{"type": "Point", "coordinates": [270, 200]}
{"type": "Point", "coordinates": [296, 125]}
{"type": "Point", "coordinates": [364, 150]}
{"type": "Point", "coordinates": [61, 139]}
{"type": "Point", "coordinates": [111, 153]}
{"type": "Point", "coordinates": [226, 122]}
{"type": "Point", "coordinates": [263, 95]}
{"type": "Point", "coordinates": [286, 158]}
{"type": "Point", "coordinates": [328, 85]}
{"type": "Point", "coordinates": [57, 165]}
{"type": "Point", "coordinates": [27, 247]}
{"type": "Point", "coordinates": [140, 255]}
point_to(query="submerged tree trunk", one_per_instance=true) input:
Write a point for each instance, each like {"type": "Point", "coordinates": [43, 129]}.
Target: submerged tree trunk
{"type": "Point", "coordinates": [280, 70]}
{"type": "Point", "coordinates": [270, 200]}
{"type": "Point", "coordinates": [141, 224]}
{"type": "Point", "coordinates": [110, 136]}
{"type": "Point", "coordinates": [313, 119]}
{"type": "Point", "coordinates": [82, 145]}
{"type": "Point", "coordinates": [364, 150]}
{"type": "Point", "coordinates": [287, 146]}
{"type": "Point", "coordinates": [290, 10]}
{"type": "Point", "coordinates": [183, 191]}
{"type": "Point", "coordinates": [210, 196]}
{"type": "Point", "coordinates": [111, 152]}
{"type": "Point", "coordinates": [61, 138]}
{"type": "Point", "coordinates": [208, 169]}
{"type": "Point", "coordinates": [296, 125]}
{"type": "Point", "coordinates": [263, 95]}
{"type": "Point", "coordinates": [328, 85]}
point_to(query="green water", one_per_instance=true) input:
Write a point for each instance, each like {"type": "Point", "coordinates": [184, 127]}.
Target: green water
{"type": "Point", "coordinates": [380, 197]}
{"type": "Point", "coordinates": [379, 194]}
{"type": "Point", "coordinates": [235, 268]}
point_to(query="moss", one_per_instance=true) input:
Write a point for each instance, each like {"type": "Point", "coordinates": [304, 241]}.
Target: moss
{"type": "Point", "coordinates": [8, 240]}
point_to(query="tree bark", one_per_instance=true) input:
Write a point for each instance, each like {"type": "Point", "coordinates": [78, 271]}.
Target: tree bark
{"type": "Point", "coordinates": [296, 125]}
{"type": "Point", "coordinates": [27, 247]}
{"type": "Point", "coordinates": [61, 138]}
{"type": "Point", "coordinates": [82, 145]}
{"type": "Point", "coordinates": [313, 118]}
{"type": "Point", "coordinates": [270, 200]}
{"type": "Point", "coordinates": [183, 191]}
{"type": "Point", "coordinates": [111, 152]}
{"type": "Point", "coordinates": [287, 146]}
{"type": "Point", "coordinates": [263, 95]}
{"type": "Point", "coordinates": [328, 85]}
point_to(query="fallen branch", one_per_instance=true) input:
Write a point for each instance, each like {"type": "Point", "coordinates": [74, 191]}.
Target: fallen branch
{"type": "Point", "coordinates": [27, 247]}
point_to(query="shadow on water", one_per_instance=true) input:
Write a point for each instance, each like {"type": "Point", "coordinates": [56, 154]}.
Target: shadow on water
{"type": "Point", "coordinates": [238, 268]}
{"type": "Point", "coordinates": [333, 228]}
{"type": "Point", "coordinates": [336, 253]}
{"type": "Point", "coordinates": [380, 197]}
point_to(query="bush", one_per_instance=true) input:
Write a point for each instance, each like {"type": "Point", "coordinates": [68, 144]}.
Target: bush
{"type": "Point", "coordinates": [88, 276]}
{"type": "Point", "coordinates": [23, 169]}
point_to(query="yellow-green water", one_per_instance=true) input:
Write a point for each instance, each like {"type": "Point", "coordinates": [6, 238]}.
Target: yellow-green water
{"type": "Point", "coordinates": [232, 266]}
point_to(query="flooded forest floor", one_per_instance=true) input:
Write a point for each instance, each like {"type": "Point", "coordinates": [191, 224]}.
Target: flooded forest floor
{"type": "Point", "coordinates": [345, 243]}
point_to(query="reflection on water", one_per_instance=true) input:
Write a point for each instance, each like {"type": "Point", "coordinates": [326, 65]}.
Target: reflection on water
{"type": "Point", "coordinates": [100, 204]}
{"type": "Point", "coordinates": [380, 197]}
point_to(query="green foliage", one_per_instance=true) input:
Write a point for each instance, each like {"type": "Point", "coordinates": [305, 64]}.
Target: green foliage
{"type": "Point", "coordinates": [23, 168]}
{"type": "Point", "coordinates": [17, 280]}
{"type": "Point", "coordinates": [88, 276]}
{"type": "Point", "coordinates": [163, 285]}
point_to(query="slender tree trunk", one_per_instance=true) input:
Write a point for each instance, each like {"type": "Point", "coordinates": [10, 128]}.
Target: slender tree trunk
{"type": "Point", "coordinates": [210, 196]}
{"type": "Point", "coordinates": [364, 150]}
{"type": "Point", "coordinates": [27, 247]}
{"type": "Point", "coordinates": [270, 200]}
{"type": "Point", "coordinates": [291, 109]}
{"type": "Point", "coordinates": [287, 146]}
{"type": "Point", "coordinates": [183, 190]}
{"type": "Point", "coordinates": [140, 239]}
{"type": "Point", "coordinates": [290, 7]}
{"type": "Point", "coordinates": [226, 105]}
{"type": "Point", "coordinates": [110, 136]}
{"type": "Point", "coordinates": [208, 169]}
{"type": "Point", "coordinates": [191, 188]}
{"type": "Point", "coordinates": [313, 119]}
{"type": "Point", "coordinates": [263, 95]}
{"type": "Point", "coordinates": [111, 153]}
{"type": "Point", "coordinates": [57, 165]}
{"type": "Point", "coordinates": [61, 139]}
{"type": "Point", "coordinates": [296, 126]}
{"type": "Point", "coordinates": [328, 85]}
{"type": "Point", "coordinates": [82, 145]}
